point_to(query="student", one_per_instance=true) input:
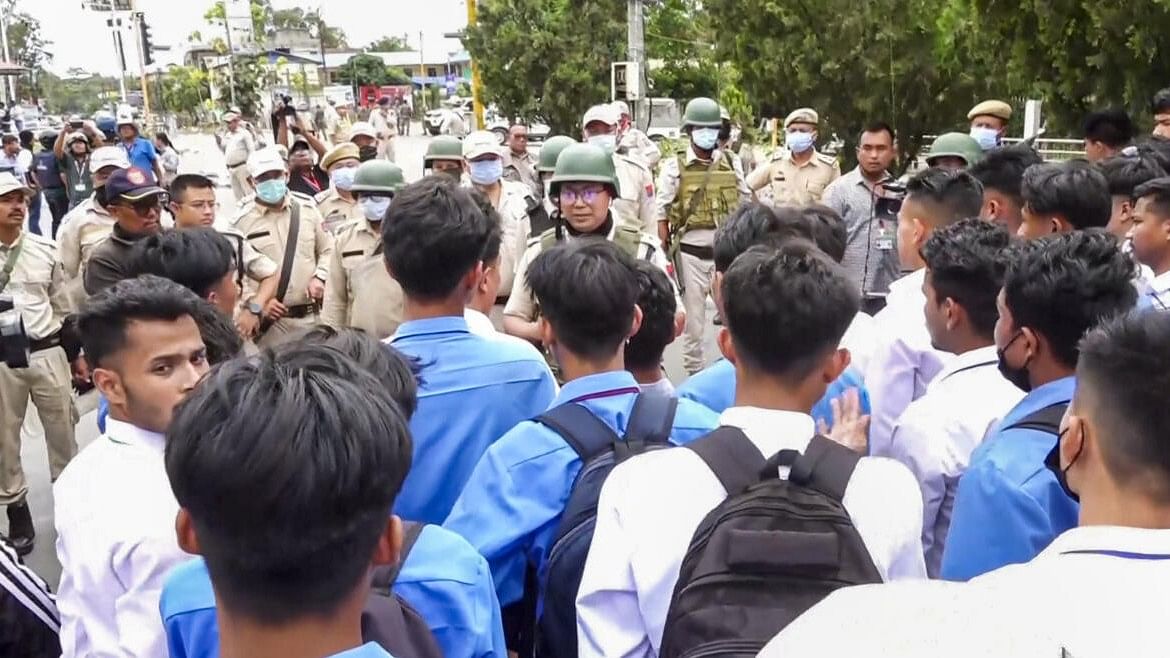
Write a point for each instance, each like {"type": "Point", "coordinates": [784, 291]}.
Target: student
{"type": "Point", "coordinates": [511, 506]}
{"type": "Point", "coordinates": [1009, 507]}
{"type": "Point", "coordinates": [442, 578]}
{"type": "Point", "coordinates": [643, 354]}
{"type": "Point", "coordinates": [29, 622]}
{"type": "Point", "coordinates": [114, 510]}
{"type": "Point", "coordinates": [1151, 240]}
{"type": "Point", "coordinates": [1002, 173]}
{"type": "Point", "coordinates": [473, 389]}
{"type": "Point", "coordinates": [1058, 198]}
{"type": "Point", "coordinates": [1095, 591]}
{"type": "Point", "coordinates": [1124, 174]}
{"type": "Point", "coordinates": [904, 361]}
{"type": "Point", "coordinates": [1106, 133]}
{"type": "Point", "coordinates": [291, 574]}
{"type": "Point", "coordinates": [829, 234]}
{"type": "Point", "coordinates": [757, 224]}
{"type": "Point", "coordinates": [784, 311]}
{"type": "Point", "coordinates": [935, 436]}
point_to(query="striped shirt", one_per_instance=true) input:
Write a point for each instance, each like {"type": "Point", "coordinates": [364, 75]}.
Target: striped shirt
{"type": "Point", "coordinates": [28, 611]}
{"type": "Point", "coordinates": [871, 250]}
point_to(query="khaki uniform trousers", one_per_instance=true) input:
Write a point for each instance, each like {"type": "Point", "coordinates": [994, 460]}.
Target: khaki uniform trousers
{"type": "Point", "coordinates": [240, 186]}
{"type": "Point", "coordinates": [48, 382]}
{"type": "Point", "coordinates": [696, 275]}
{"type": "Point", "coordinates": [286, 329]}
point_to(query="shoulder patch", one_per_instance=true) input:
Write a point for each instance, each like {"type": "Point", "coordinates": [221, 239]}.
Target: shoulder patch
{"type": "Point", "coordinates": [322, 195]}
{"type": "Point", "coordinates": [827, 159]}
{"type": "Point", "coordinates": [303, 198]}
{"type": "Point", "coordinates": [632, 162]}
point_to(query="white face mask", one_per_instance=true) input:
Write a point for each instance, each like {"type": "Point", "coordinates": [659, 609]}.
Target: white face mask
{"type": "Point", "coordinates": [374, 207]}
{"type": "Point", "coordinates": [705, 138]}
{"type": "Point", "coordinates": [606, 143]}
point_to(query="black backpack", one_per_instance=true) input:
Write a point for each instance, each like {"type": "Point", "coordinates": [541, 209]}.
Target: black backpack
{"type": "Point", "coordinates": [770, 551]}
{"type": "Point", "coordinates": [389, 620]}
{"type": "Point", "coordinates": [1041, 420]}
{"type": "Point", "coordinates": [600, 450]}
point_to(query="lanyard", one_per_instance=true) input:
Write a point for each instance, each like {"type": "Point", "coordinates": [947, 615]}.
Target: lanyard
{"type": "Point", "coordinates": [311, 181]}
{"type": "Point", "coordinates": [973, 366]}
{"type": "Point", "coordinates": [80, 165]}
{"type": "Point", "coordinates": [10, 264]}
{"type": "Point", "coordinates": [611, 393]}
{"type": "Point", "coordinates": [1125, 555]}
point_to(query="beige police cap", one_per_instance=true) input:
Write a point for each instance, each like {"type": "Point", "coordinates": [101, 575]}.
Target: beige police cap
{"type": "Point", "coordinates": [108, 156]}
{"type": "Point", "coordinates": [344, 151]}
{"type": "Point", "coordinates": [605, 113]}
{"type": "Point", "coordinates": [8, 183]}
{"type": "Point", "coordinates": [802, 115]}
{"type": "Point", "coordinates": [993, 108]}
{"type": "Point", "coordinates": [264, 161]}
{"type": "Point", "coordinates": [363, 128]}
{"type": "Point", "coordinates": [481, 143]}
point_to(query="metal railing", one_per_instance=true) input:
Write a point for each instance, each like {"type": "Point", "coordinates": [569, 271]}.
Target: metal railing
{"type": "Point", "coordinates": [1051, 149]}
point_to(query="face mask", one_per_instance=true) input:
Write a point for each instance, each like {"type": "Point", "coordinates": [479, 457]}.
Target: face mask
{"type": "Point", "coordinates": [988, 138]}
{"type": "Point", "coordinates": [271, 191]}
{"type": "Point", "coordinates": [1052, 461]}
{"type": "Point", "coordinates": [798, 142]}
{"type": "Point", "coordinates": [705, 138]}
{"type": "Point", "coordinates": [343, 178]}
{"type": "Point", "coordinates": [367, 153]}
{"type": "Point", "coordinates": [486, 172]}
{"type": "Point", "coordinates": [99, 195]}
{"type": "Point", "coordinates": [1017, 376]}
{"type": "Point", "coordinates": [606, 143]}
{"type": "Point", "coordinates": [374, 207]}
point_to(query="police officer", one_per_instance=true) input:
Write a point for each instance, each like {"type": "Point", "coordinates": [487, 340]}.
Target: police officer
{"type": "Point", "coordinates": [798, 174]}
{"type": "Point", "coordinates": [267, 222]}
{"type": "Point", "coordinates": [585, 185]}
{"type": "Point", "coordinates": [989, 122]}
{"type": "Point", "coordinates": [546, 165]}
{"type": "Point", "coordinates": [366, 137]}
{"type": "Point", "coordinates": [697, 189]}
{"type": "Point", "coordinates": [632, 142]}
{"type": "Point", "coordinates": [90, 223]}
{"type": "Point", "coordinates": [635, 202]}
{"type": "Point", "coordinates": [954, 151]}
{"type": "Point", "coordinates": [51, 178]}
{"type": "Point", "coordinates": [385, 123]}
{"type": "Point", "coordinates": [445, 156]}
{"type": "Point", "coordinates": [237, 144]}
{"type": "Point", "coordinates": [360, 292]}
{"type": "Point", "coordinates": [337, 204]}
{"type": "Point", "coordinates": [31, 273]}
{"type": "Point", "coordinates": [519, 165]}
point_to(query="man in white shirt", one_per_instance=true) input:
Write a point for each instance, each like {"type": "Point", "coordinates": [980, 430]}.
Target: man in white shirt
{"type": "Point", "coordinates": [114, 510]}
{"type": "Point", "coordinates": [904, 361]}
{"type": "Point", "coordinates": [1151, 240]}
{"type": "Point", "coordinates": [1097, 590]}
{"type": "Point", "coordinates": [785, 311]}
{"type": "Point", "coordinates": [934, 437]}
{"type": "Point", "coordinates": [237, 143]}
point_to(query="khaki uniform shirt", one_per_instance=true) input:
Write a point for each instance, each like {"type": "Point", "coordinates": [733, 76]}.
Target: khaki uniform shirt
{"type": "Point", "coordinates": [336, 210]}
{"type": "Point", "coordinates": [794, 184]}
{"type": "Point", "coordinates": [514, 229]}
{"type": "Point", "coordinates": [522, 169]}
{"type": "Point", "coordinates": [267, 229]}
{"type": "Point", "coordinates": [385, 124]}
{"type": "Point", "coordinates": [669, 176]}
{"type": "Point", "coordinates": [635, 203]}
{"type": "Point", "coordinates": [257, 266]}
{"type": "Point", "coordinates": [37, 285]}
{"type": "Point", "coordinates": [237, 146]}
{"type": "Point", "coordinates": [635, 144]}
{"type": "Point", "coordinates": [360, 292]}
{"type": "Point", "coordinates": [85, 227]}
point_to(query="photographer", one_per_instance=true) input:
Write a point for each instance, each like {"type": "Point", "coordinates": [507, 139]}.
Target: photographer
{"type": "Point", "coordinates": [305, 176]}
{"type": "Point", "coordinates": [31, 280]}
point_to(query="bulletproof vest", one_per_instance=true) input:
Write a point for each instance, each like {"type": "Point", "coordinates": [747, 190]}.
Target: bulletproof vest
{"type": "Point", "coordinates": [704, 198]}
{"type": "Point", "coordinates": [627, 238]}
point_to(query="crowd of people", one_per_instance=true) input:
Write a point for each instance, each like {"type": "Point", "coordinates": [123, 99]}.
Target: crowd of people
{"type": "Point", "coordinates": [358, 415]}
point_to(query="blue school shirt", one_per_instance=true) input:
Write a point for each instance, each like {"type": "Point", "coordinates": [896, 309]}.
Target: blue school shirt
{"type": "Point", "coordinates": [512, 505]}
{"type": "Point", "coordinates": [714, 388]}
{"type": "Point", "coordinates": [103, 412]}
{"type": "Point", "coordinates": [141, 153]}
{"type": "Point", "coordinates": [472, 390]}
{"type": "Point", "coordinates": [1009, 507]}
{"type": "Point", "coordinates": [443, 579]}
{"type": "Point", "coordinates": [367, 650]}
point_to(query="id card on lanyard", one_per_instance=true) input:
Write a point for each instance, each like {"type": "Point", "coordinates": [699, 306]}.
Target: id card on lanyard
{"type": "Point", "coordinates": [884, 240]}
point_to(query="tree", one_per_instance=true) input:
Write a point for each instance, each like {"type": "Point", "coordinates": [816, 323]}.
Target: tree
{"type": "Point", "coordinates": [79, 91]}
{"type": "Point", "coordinates": [388, 45]}
{"type": "Point", "coordinates": [678, 35]}
{"type": "Point", "coordinates": [363, 69]}
{"type": "Point", "coordinates": [28, 48]}
{"type": "Point", "coordinates": [547, 59]}
{"type": "Point", "coordinates": [185, 90]}
{"type": "Point", "coordinates": [310, 21]}
{"type": "Point", "coordinates": [261, 15]}
{"type": "Point", "coordinates": [251, 75]}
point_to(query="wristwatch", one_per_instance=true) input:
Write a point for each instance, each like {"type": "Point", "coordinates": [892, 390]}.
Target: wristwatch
{"type": "Point", "coordinates": [254, 308]}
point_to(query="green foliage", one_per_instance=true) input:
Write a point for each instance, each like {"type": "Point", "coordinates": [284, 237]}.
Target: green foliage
{"type": "Point", "coordinates": [678, 35]}
{"type": "Point", "coordinates": [363, 69]}
{"type": "Point", "coordinates": [388, 45]}
{"type": "Point", "coordinates": [299, 19]}
{"type": "Point", "coordinates": [185, 90]}
{"type": "Point", "coordinates": [250, 77]}
{"type": "Point", "coordinates": [261, 15]}
{"type": "Point", "coordinates": [79, 92]}
{"type": "Point", "coordinates": [28, 48]}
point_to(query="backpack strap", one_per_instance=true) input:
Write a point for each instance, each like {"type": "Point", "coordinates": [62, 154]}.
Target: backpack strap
{"type": "Point", "coordinates": [583, 431]}
{"type": "Point", "coordinates": [731, 456]}
{"type": "Point", "coordinates": [651, 421]}
{"type": "Point", "coordinates": [824, 466]}
{"type": "Point", "coordinates": [383, 577]}
{"type": "Point", "coordinates": [1042, 420]}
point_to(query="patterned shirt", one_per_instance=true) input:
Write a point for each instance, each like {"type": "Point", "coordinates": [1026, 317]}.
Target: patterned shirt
{"type": "Point", "coordinates": [871, 253]}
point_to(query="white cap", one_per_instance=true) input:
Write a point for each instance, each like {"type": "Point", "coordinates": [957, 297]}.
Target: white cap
{"type": "Point", "coordinates": [8, 183]}
{"type": "Point", "coordinates": [621, 107]}
{"type": "Point", "coordinates": [108, 156]}
{"type": "Point", "coordinates": [606, 114]}
{"type": "Point", "coordinates": [363, 128]}
{"type": "Point", "coordinates": [264, 161]}
{"type": "Point", "coordinates": [481, 143]}
{"type": "Point", "coordinates": [76, 136]}
{"type": "Point", "coordinates": [126, 120]}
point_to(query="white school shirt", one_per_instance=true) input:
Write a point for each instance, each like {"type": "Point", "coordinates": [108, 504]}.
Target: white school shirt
{"type": "Point", "coordinates": [1095, 592]}
{"type": "Point", "coordinates": [115, 518]}
{"type": "Point", "coordinates": [651, 505]}
{"type": "Point", "coordinates": [860, 340]}
{"type": "Point", "coordinates": [937, 433]}
{"type": "Point", "coordinates": [903, 361]}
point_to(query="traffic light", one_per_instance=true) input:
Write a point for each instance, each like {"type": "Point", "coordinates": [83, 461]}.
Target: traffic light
{"type": "Point", "coordinates": [144, 40]}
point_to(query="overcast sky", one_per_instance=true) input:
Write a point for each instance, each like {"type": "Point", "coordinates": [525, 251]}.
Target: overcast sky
{"type": "Point", "coordinates": [81, 38]}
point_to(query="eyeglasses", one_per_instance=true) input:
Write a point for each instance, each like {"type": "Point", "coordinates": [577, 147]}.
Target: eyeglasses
{"type": "Point", "coordinates": [142, 207]}
{"type": "Point", "coordinates": [588, 194]}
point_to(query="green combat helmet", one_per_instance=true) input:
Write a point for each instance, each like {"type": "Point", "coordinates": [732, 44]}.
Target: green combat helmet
{"type": "Point", "coordinates": [584, 163]}
{"type": "Point", "coordinates": [378, 177]}
{"type": "Point", "coordinates": [703, 113]}
{"type": "Point", "coordinates": [958, 145]}
{"type": "Point", "coordinates": [547, 163]}
{"type": "Point", "coordinates": [444, 147]}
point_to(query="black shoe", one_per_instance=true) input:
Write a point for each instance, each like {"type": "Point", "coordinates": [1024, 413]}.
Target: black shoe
{"type": "Point", "coordinates": [20, 528]}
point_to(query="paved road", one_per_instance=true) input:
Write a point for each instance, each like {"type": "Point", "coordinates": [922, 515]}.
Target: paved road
{"type": "Point", "coordinates": [199, 155]}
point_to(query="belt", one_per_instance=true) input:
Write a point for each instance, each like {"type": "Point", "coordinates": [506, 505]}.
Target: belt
{"type": "Point", "coordinates": [238, 164]}
{"type": "Point", "coordinates": [50, 341]}
{"type": "Point", "coordinates": [301, 311]}
{"type": "Point", "coordinates": [706, 253]}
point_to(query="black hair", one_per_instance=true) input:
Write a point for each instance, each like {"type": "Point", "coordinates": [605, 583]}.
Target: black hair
{"type": "Point", "coordinates": [1160, 104]}
{"type": "Point", "coordinates": [1111, 127]}
{"type": "Point", "coordinates": [828, 230]}
{"type": "Point", "coordinates": [104, 317]}
{"type": "Point", "coordinates": [1158, 148]}
{"type": "Point", "coordinates": [184, 182]}
{"type": "Point", "coordinates": [9, 139]}
{"type": "Point", "coordinates": [658, 304]}
{"type": "Point", "coordinates": [754, 224]}
{"type": "Point", "coordinates": [162, 137]}
{"type": "Point", "coordinates": [948, 195]}
{"type": "Point", "coordinates": [396, 372]}
{"type": "Point", "coordinates": [1002, 169]}
{"type": "Point", "coordinates": [288, 505]}
{"type": "Point", "coordinates": [197, 258]}
{"type": "Point", "coordinates": [1159, 190]}
{"type": "Point", "coordinates": [1063, 285]}
{"type": "Point", "coordinates": [966, 262]}
{"type": "Point", "coordinates": [27, 137]}
{"type": "Point", "coordinates": [587, 291]}
{"type": "Point", "coordinates": [787, 307]}
{"type": "Point", "coordinates": [434, 234]}
{"type": "Point", "coordinates": [1124, 372]}
{"type": "Point", "coordinates": [878, 126]}
{"type": "Point", "coordinates": [1074, 190]}
{"type": "Point", "coordinates": [1124, 173]}
{"type": "Point", "coordinates": [220, 337]}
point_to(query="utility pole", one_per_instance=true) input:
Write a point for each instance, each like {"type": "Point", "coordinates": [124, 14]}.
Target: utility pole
{"type": "Point", "coordinates": [231, 55]}
{"type": "Point", "coordinates": [140, 29]}
{"type": "Point", "coordinates": [10, 90]}
{"type": "Point", "coordinates": [637, 54]}
{"type": "Point", "coordinates": [422, 69]}
{"type": "Point", "coordinates": [115, 25]}
{"type": "Point", "coordinates": [476, 102]}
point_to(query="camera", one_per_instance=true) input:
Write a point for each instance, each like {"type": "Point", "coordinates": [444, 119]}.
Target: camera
{"type": "Point", "coordinates": [14, 344]}
{"type": "Point", "coordinates": [889, 202]}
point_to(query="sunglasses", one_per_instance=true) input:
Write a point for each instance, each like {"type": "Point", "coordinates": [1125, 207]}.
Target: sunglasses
{"type": "Point", "coordinates": [142, 207]}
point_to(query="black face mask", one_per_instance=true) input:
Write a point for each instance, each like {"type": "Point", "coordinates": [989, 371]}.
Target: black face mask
{"type": "Point", "coordinates": [367, 153]}
{"type": "Point", "coordinates": [99, 195]}
{"type": "Point", "coordinates": [1052, 461]}
{"type": "Point", "coordinates": [1017, 376]}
